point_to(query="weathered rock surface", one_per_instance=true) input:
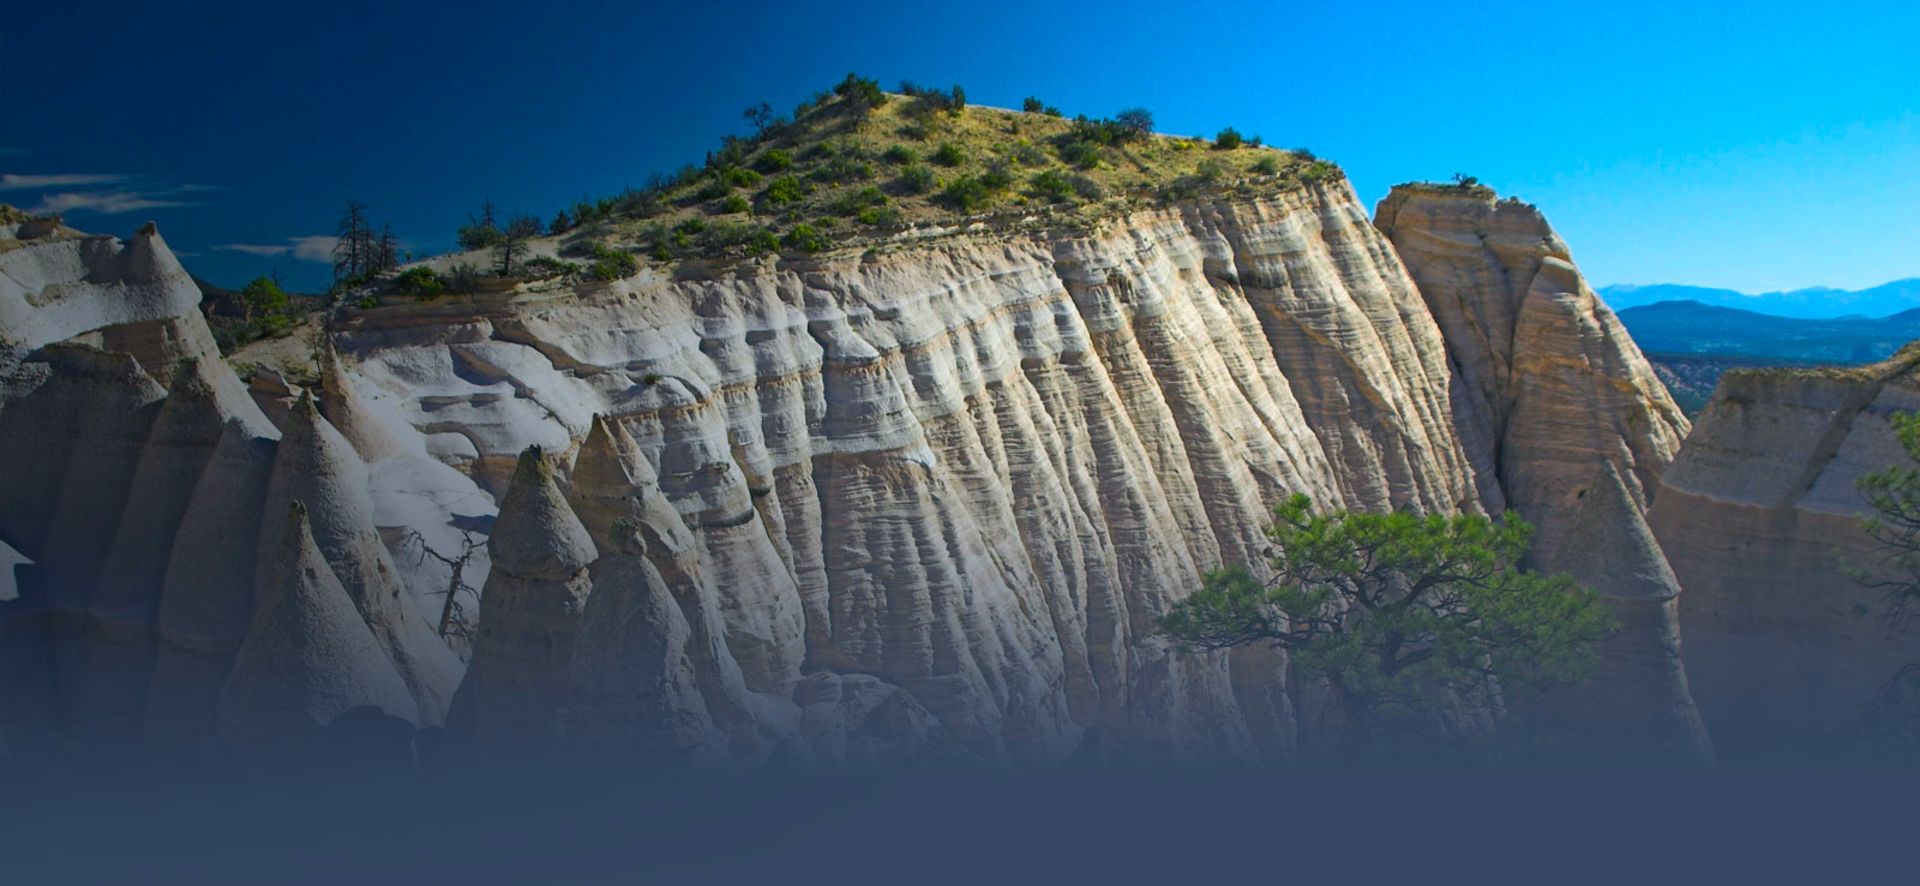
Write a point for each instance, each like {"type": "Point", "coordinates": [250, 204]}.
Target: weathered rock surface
{"type": "Point", "coordinates": [1550, 387]}
{"type": "Point", "coordinates": [516, 693]}
{"type": "Point", "coordinates": [1759, 517]}
{"type": "Point", "coordinates": [925, 502]}
{"type": "Point", "coordinates": [308, 657]}
{"type": "Point", "coordinates": [136, 474]}
{"type": "Point", "coordinates": [1639, 702]}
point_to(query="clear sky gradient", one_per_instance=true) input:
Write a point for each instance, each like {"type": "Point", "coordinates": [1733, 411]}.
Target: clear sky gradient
{"type": "Point", "coordinates": [1755, 145]}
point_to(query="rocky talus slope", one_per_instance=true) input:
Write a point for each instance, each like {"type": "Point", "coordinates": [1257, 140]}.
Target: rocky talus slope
{"type": "Point", "coordinates": [1760, 518]}
{"type": "Point", "coordinates": [921, 502]}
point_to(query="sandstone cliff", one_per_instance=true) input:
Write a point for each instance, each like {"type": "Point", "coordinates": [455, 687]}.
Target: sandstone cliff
{"type": "Point", "coordinates": [1554, 397]}
{"type": "Point", "coordinates": [1760, 516]}
{"type": "Point", "coordinates": [923, 501]}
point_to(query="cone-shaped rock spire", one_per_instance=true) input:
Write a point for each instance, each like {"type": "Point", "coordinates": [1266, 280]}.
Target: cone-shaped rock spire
{"type": "Point", "coordinates": [537, 535]}
{"type": "Point", "coordinates": [317, 466]}
{"type": "Point", "coordinates": [1638, 703]}
{"type": "Point", "coordinates": [516, 687]}
{"type": "Point", "coordinates": [308, 657]}
{"type": "Point", "coordinates": [341, 404]}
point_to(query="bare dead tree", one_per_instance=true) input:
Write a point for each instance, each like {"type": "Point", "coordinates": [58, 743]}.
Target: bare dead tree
{"type": "Point", "coordinates": [453, 613]}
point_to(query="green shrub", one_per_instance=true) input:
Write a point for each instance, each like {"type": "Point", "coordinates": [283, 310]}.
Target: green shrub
{"type": "Point", "coordinates": [1080, 154]}
{"type": "Point", "coordinates": [917, 130]}
{"type": "Point", "coordinates": [1026, 154]}
{"type": "Point", "coordinates": [774, 160]}
{"type": "Point", "coordinates": [850, 203]}
{"type": "Point", "coordinates": [612, 264]}
{"type": "Point", "coordinates": [1033, 105]}
{"type": "Point", "coordinates": [690, 226]}
{"type": "Point", "coordinates": [843, 169]}
{"type": "Point", "coordinates": [1266, 165]}
{"type": "Point", "coordinates": [806, 238]}
{"type": "Point", "coordinates": [714, 189]}
{"type": "Point", "coordinates": [1228, 139]}
{"type": "Point", "coordinates": [1318, 170]}
{"type": "Point", "coordinates": [764, 240]}
{"type": "Point", "coordinates": [1134, 123]}
{"type": "Point", "coordinates": [915, 179]}
{"type": "Point", "coordinates": [541, 266]}
{"type": "Point", "coordinates": [739, 177]}
{"type": "Point", "coordinates": [880, 216]}
{"type": "Point", "coordinates": [965, 194]}
{"type": "Point", "coordinates": [1210, 171]}
{"type": "Point", "coordinates": [735, 203]}
{"type": "Point", "coordinates": [1087, 188]}
{"type": "Point", "coordinates": [473, 237]}
{"type": "Point", "coordinates": [997, 177]}
{"type": "Point", "coordinates": [783, 190]}
{"type": "Point", "coordinates": [462, 278]}
{"type": "Point", "coordinates": [1051, 185]}
{"type": "Point", "coordinates": [900, 154]}
{"type": "Point", "coordinates": [949, 154]}
{"type": "Point", "coordinates": [862, 94]}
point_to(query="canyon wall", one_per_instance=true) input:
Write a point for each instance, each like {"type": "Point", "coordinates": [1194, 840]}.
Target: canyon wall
{"type": "Point", "coordinates": [921, 502]}
{"type": "Point", "coordinates": [1760, 517]}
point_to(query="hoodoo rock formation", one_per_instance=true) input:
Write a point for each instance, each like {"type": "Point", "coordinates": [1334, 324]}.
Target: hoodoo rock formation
{"type": "Point", "coordinates": [922, 502]}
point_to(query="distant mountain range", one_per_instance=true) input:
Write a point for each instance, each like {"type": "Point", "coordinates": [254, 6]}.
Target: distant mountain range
{"type": "Point", "coordinates": [1816, 303]}
{"type": "Point", "coordinates": [1692, 328]}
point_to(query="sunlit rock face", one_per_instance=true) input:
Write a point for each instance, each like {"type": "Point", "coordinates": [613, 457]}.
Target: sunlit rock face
{"type": "Point", "coordinates": [144, 500]}
{"type": "Point", "coordinates": [924, 502]}
{"type": "Point", "coordinates": [1554, 394]}
{"type": "Point", "coordinates": [1760, 517]}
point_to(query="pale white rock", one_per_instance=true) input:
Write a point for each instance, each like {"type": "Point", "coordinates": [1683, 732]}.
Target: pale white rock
{"type": "Point", "coordinates": [516, 690]}
{"type": "Point", "coordinates": [316, 466]}
{"type": "Point", "coordinates": [308, 657]}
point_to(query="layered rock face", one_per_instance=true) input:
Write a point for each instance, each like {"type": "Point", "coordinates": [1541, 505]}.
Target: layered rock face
{"type": "Point", "coordinates": [1554, 394]}
{"type": "Point", "coordinates": [921, 503]}
{"type": "Point", "coordinates": [1760, 517]}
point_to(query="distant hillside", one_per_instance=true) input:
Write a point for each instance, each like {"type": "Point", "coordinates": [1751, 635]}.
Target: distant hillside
{"type": "Point", "coordinates": [1816, 303]}
{"type": "Point", "coordinates": [1690, 327]}
{"type": "Point", "coordinates": [1692, 378]}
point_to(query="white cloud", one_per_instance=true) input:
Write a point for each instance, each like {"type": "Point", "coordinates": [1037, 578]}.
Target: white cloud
{"type": "Point", "coordinates": [318, 247]}
{"type": "Point", "coordinates": [11, 182]}
{"type": "Point", "coordinates": [255, 248]}
{"type": "Point", "coordinates": [104, 202]}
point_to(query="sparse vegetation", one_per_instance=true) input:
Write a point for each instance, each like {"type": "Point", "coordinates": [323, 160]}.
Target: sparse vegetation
{"type": "Point", "coordinates": [852, 165]}
{"type": "Point", "coordinates": [420, 282]}
{"type": "Point", "coordinates": [611, 264]}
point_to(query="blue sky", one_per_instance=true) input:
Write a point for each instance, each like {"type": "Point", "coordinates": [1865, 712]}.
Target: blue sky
{"type": "Point", "coordinates": [1755, 146]}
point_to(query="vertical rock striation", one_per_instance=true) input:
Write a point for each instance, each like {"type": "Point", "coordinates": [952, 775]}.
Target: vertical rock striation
{"type": "Point", "coordinates": [1549, 386]}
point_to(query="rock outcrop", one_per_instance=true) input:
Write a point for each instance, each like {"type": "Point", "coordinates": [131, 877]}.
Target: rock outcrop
{"type": "Point", "coordinates": [308, 658]}
{"type": "Point", "coordinates": [1550, 386]}
{"type": "Point", "coordinates": [925, 502]}
{"type": "Point", "coordinates": [516, 693]}
{"type": "Point", "coordinates": [1760, 518]}
{"type": "Point", "coordinates": [136, 474]}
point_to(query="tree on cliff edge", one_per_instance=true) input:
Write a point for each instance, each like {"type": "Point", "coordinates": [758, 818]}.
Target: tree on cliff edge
{"type": "Point", "coordinates": [1894, 495]}
{"type": "Point", "coordinates": [1404, 617]}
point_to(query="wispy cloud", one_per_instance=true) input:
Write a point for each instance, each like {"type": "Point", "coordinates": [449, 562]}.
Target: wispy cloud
{"type": "Point", "coordinates": [106, 202]}
{"type": "Point", "coordinates": [12, 182]}
{"type": "Point", "coordinates": [101, 192]}
{"type": "Point", "coordinates": [317, 247]}
{"type": "Point", "coordinates": [255, 248]}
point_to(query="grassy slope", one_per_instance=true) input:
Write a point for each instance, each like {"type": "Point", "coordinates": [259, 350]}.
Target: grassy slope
{"type": "Point", "coordinates": [838, 155]}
